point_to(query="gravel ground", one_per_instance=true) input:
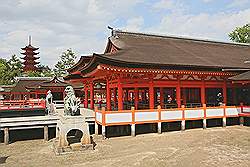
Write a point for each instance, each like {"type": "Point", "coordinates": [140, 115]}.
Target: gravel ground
{"type": "Point", "coordinates": [218, 146]}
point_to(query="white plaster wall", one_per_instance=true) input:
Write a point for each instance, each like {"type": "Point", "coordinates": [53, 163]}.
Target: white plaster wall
{"type": "Point", "coordinates": [246, 109]}
{"type": "Point", "coordinates": [171, 115]}
{"type": "Point", "coordinates": [215, 112]}
{"type": "Point", "coordinates": [98, 116]}
{"type": "Point", "coordinates": [118, 117]}
{"type": "Point", "coordinates": [194, 113]}
{"type": "Point", "coordinates": [231, 111]}
{"type": "Point", "coordinates": [146, 116]}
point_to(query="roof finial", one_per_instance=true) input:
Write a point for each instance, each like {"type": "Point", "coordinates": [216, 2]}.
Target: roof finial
{"type": "Point", "coordinates": [29, 39]}
{"type": "Point", "coordinates": [112, 30]}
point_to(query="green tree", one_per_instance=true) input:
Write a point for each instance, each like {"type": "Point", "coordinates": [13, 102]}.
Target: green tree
{"type": "Point", "coordinates": [15, 67]}
{"type": "Point", "coordinates": [241, 34]}
{"type": "Point", "coordinates": [67, 60]}
{"type": "Point", "coordinates": [4, 72]}
{"type": "Point", "coordinates": [45, 71]}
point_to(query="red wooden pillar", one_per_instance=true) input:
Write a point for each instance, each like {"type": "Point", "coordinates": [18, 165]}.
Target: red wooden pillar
{"type": "Point", "coordinates": [151, 95]}
{"type": "Point", "coordinates": [224, 92]}
{"type": "Point", "coordinates": [136, 93]}
{"type": "Point", "coordinates": [203, 93]}
{"type": "Point", "coordinates": [115, 99]}
{"type": "Point", "coordinates": [178, 93]}
{"type": "Point", "coordinates": [161, 97]}
{"type": "Point", "coordinates": [120, 94]}
{"type": "Point", "coordinates": [108, 96]}
{"type": "Point", "coordinates": [86, 98]}
{"type": "Point", "coordinates": [91, 95]}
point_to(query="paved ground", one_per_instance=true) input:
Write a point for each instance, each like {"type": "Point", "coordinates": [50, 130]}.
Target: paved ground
{"type": "Point", "coordinates": [218, 146]}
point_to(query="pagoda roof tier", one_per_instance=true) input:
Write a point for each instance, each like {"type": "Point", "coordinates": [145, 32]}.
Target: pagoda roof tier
{"type": "Point", "coordinates": [30, 63]}
{"type": "Point", "coordinates": [30, 58]}
{"type": "Point", "coordinates": [30, 53]}
{"type": "Point", "coordinates": [29, 47]}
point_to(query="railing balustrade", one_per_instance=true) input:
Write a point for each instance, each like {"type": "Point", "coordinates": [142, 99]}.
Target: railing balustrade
{"type": "Point", "coordinates": [21, 104]}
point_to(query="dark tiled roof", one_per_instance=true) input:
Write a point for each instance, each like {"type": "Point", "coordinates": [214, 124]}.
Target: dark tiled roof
{"type": "Point", "coordinates": [22, 84]}
{"type": "Point", "coordinates": [164, 50]}
{"type": "Point", "coordinates": [241, 77]}
{"type": "Point", "coordinates": [81, 63]}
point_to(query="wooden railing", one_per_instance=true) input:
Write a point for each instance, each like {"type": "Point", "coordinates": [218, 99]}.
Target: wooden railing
{"type": "Point", "coordinates": [22, 104]}
{"type": "Point", "coordinates": [126, 117]}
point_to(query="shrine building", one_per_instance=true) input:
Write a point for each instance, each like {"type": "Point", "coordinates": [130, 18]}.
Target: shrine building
{"type": "Point", "coordinates": [145, 70]}
{"type": "Point", "coordinates": [145, 79]}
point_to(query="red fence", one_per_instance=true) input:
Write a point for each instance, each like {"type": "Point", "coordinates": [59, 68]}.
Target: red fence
{"type": "Point", "coordinates": [22, 104]}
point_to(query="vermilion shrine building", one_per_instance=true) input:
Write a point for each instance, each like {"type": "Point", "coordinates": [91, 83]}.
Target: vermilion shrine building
{"type": "Point", "coordinates": [144, 71]}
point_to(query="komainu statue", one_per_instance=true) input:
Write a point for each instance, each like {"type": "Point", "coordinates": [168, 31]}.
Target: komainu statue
{"type": "Point", "coordinates": [71, 102]}
{"type": "Point", "coordinates": [49, 102]}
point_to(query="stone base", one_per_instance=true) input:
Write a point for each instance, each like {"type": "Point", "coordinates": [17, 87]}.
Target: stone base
{"type": "Point", "coordinates": [71, 148]}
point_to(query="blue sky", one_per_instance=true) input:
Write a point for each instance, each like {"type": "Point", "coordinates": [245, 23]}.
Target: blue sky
{"type": "Point", "coordinates": [56, 25]}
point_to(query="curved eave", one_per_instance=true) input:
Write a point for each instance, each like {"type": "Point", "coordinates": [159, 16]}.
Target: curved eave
{"type": "Point", "coordinates": [83, 60]}
{"type": "Point", "coordinates": [99, 59]}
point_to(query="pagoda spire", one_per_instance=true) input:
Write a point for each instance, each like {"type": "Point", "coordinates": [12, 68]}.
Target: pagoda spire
{"type": "Point", "coordinates": [29, 58]}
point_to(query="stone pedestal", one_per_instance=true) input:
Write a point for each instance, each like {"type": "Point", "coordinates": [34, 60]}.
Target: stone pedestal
{"type": "Point", "coordinates": [64, 125]}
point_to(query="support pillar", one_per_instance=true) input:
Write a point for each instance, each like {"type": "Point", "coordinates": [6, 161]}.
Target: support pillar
{"type": "Point", "coordinates": [203, 95]}
{"type": "Point", "coordinates": [91, 95]}
{"type": "Point", "coordinates": [108, 96]}
{"type": "Point", "coordinates": [241, 121]}
{"type": "Point", "coordinates": [120, 95]}
{"type": "Point", "coordinates": [225, 92]}
{"type": "Point", "coordinates": [133, 121]}
{"type": "Point", "coordinates": [178, 93]}
{"type": "Point", "coordinates": [159, 119]}
{"type": "Point", "coordinates": [96, 128]}
{"type": "Point", "coordinates": [115, 99]}
{"type": "Point", "coordinates": [103, 132]}
{"type": "Point", "coordinates": [183, 123]}
{"type": "Point", "coordinates": [224, 119]}
{"type": "Point", "coordinates": [161, 97]}
{"type": "Point", "coordinates": [86, 98]}
{"type": "Point", "coordinates": [205, 116]}
{"type": "Point", "coordinates": [6, 135]}
{"type": "Point", "coordinates": [136, 98]}
{"type": "Point", "coordinates": [46, 133]}
{"type": "Point", "coordinates": [151, 96]}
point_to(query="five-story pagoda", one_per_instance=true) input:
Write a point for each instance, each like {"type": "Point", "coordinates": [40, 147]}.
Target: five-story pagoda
{"type": "Point", "coordinates": [29, 58]}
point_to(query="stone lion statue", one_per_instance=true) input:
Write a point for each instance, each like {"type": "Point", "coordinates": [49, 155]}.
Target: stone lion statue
{"type": "Point", "coordinates": [71, 102]}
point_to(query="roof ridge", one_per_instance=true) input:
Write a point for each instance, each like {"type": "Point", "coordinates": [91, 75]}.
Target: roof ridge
{"type": "Point", "coordinates": [177, 37]}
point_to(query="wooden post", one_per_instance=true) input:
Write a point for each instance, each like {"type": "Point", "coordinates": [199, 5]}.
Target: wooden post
{"type": "Point", "coordinates": [205, 116]}
{"type": "Point", "coordinates": [178, 93]}
{"type": "Point", "coordinates": [224, 119]}
{"type": "Point", "coordinates": [96, 125]}
{"type": "Point", "coordinates": [159, 119]}
{"type": "Point", "coordinates": [203, 93]}
{"type": "Point", "coordinates": [136, 98]}
{"type": "Point", "coordinates": [241, 121]}
{"type": "Point", "coordinates": [46, 133]}
{"type": "Point", "coordinates": [151, 96]}
{"type": "Point", "coordinates": [86, 98]}
{"type": "Point", "coordinates": [108, 96]}
{"type": "Point", "coordinates": [6, 136]}
{"type": "Point", "coordinates": [92, 95]}
{"type": "Point", "coordinates": [161, 97]}
{"type": "Point", "coordinates": [133, 121]}
{"type": "Point", "coordinates": [120, 96]}
{"type": "Point", "coordinates": [225, 92]}
{"type": "Point", "coordinates": [103, 124]}
{"type": "Point", "coordinates": [115, 99]}
{"type": "Point", "coordinates": [183, 124]}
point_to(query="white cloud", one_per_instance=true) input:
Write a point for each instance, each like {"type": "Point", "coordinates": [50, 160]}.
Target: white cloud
{"type": "Point", "coordinates": [134, 24]}
{"type": "Point", "coordinates": [56, 25]}
{"type": "Point", "coordinates": [238, 3]}
{"type": "Point", "coordinates": [203, 25]}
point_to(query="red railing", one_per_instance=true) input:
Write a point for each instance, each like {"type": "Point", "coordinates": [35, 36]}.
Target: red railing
{"type": "Point", "coordinates": [22, 104]}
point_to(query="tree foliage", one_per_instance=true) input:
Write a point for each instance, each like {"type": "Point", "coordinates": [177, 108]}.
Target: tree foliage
{"type": "Point", "coordinates": [241, 34]}
{"type": "Point", "coordinates": [4, 72]}
{"type": "Point", "coordinates": [67, 60]}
